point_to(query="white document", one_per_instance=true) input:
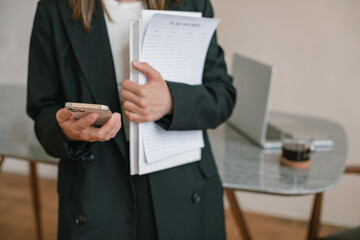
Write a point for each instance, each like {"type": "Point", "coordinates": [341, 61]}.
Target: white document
{"type": "Point", "coordinates": [181, 159]}
{"type": "Point", "coordinates": [176, 46]}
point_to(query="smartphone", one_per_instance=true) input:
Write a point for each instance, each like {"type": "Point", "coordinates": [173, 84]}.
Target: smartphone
{"type": "Point", "coordinates": [79, 110]}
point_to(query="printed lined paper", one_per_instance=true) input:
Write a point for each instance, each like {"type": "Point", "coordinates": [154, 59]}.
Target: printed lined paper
{"type": "Point", "coordinates": [176, 46]}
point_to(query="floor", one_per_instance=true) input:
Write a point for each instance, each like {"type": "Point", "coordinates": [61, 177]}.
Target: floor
{"type": "Point", "coordinates": [16, 216]}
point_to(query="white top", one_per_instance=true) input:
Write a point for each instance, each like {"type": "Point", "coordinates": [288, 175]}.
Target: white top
{"type": "Point", "coordinates": [119, 33]}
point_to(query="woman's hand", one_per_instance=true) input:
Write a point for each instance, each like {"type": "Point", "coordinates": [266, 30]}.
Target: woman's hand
{"type": "Point", "coordinates": [82, 130]}
{"type": "Point", "coordinates": [149, 102]}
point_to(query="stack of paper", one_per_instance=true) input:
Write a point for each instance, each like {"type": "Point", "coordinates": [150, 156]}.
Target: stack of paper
{"type": "Point", "coordinates": [175, 44]}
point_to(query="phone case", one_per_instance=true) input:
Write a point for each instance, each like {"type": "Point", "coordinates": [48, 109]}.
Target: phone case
{"type": "Point", "coordinates": [79, 110]}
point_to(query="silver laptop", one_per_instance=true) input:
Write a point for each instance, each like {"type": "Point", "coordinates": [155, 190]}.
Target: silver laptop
{"type": "Point", "coordinates": [253, 82]}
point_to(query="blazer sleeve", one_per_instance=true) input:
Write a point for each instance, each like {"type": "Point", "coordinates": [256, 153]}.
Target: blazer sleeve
{"type": "Point", "coordinates": [207, 105]}
{"type": "Point", "coordinates": [44, 91]}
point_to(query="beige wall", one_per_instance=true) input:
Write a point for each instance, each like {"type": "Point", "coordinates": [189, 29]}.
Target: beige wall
{"type": "Point", "coordinates": [315, 46]}
{"type": "Point", "coordinates": [16, 19]}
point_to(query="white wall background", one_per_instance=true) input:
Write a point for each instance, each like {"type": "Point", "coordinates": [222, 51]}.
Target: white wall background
{"type": "Point", "coordinates": [315, 46]}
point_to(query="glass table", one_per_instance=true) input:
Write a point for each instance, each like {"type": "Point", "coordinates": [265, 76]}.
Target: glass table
{"type": "Point", "coordinates": [243, 166]}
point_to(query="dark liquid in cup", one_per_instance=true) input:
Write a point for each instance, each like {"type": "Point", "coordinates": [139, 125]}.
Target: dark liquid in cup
{"type": "Point", "coordinates": [296, 152]}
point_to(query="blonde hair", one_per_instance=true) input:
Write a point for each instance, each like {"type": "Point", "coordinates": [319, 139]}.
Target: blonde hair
{"type": "Point", "coordinates": [85, 9]}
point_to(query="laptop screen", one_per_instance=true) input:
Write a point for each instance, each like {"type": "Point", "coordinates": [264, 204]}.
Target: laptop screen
{"type": "Point", "coordinates": [252, 81]}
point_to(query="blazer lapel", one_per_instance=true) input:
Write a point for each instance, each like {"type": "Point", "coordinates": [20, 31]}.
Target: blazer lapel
{"type": "Point", "coordinates": [93, 53]}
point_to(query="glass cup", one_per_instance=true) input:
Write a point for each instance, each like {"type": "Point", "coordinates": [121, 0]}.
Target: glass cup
{"type": "Point", "coordinates": [296, 150]}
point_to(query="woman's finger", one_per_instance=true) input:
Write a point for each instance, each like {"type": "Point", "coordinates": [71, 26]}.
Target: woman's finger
{"type": "Point", "coordinates": [85, 122]}
{"type": "Point", "coordinates": [62, 115]}
{"type": "Point", "coordinates": [133, 87]}
{"type": "Point", "coordinates": [145, 68]}
{"type": "Point", "coordinates": [130, 96]}
{"type": "Point", "coordinates": [134, 117]}
{"type": "Point", "coordinates": [132, 107]}
{"type": "Point", "coordinates": [103, 132]}
{"type": "Point", "coordinates": [115, 130]}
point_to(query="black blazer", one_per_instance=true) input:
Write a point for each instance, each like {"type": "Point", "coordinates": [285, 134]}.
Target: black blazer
{"type": "Point", "coordinates": [95, 190]}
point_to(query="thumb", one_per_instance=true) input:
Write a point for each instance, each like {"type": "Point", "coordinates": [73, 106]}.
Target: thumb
{"type": "Point", "coordinates": [145, 68]}
{"type": "Point", "coordinates": [62, 115]}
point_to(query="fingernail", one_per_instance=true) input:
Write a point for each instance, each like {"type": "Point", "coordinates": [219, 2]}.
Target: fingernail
{"type": "Point", "coordinates": [118, 117]}
{"type": "Point", "coordinates": [136, 63]}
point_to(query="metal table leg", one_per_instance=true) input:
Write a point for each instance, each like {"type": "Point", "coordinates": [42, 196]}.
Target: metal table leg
{"type": "Point", "coordinates": [36, 198]}
{"type": "Point", "coordinates": [2, 159]}
{"type": "Point", "coordinates": [352, 169]}
{"type": "Point", "coordinates": [315, 218]}
{"type": "Point", "coordinates": [238, 214]}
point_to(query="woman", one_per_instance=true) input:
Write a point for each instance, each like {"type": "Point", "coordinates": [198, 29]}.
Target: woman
{"type": "Point", "coordinates": [73, 58]}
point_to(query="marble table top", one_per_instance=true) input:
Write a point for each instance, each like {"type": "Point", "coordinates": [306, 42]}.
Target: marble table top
{"type": "Point", "coordinates": [245, 166]}
{"type": "Point", "coordinates": [17, 136]}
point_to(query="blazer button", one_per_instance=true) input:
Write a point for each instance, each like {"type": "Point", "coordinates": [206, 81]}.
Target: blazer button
{"type": "Point", "coordinates": [88, 157]}
{"type": "Point", "coordinates": [80, 219]}
{"type": "Point", "coordinates": [196, 198]}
